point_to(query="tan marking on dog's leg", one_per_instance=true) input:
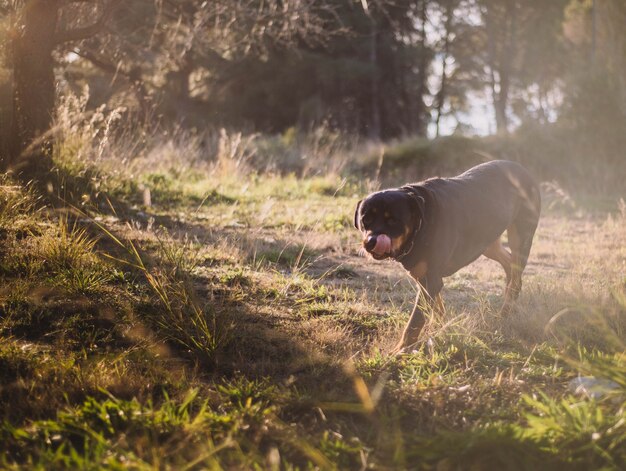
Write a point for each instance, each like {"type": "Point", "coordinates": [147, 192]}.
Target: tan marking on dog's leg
{"type": "Point", "coordinates": [495, 251]}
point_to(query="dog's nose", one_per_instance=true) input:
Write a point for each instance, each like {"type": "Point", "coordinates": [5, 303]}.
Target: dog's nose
{"type": "Point", "coordinates": [370, 243]}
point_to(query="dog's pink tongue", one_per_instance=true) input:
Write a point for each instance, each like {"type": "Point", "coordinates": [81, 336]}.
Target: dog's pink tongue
{"type": "Point", "coordinates": [383, 245]}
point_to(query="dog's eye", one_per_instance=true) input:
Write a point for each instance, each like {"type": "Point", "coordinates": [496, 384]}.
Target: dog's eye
{"type": "Point", "coordinates": [391, 220]}
{"type": "Point", "coordinates": [367, 219]}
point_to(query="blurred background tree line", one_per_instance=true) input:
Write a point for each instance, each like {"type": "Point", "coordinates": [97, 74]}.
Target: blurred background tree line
{"type": "Point", "coordinates": [381, 69]}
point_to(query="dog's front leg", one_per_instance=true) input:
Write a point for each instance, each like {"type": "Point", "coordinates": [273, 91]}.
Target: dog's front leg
{"type": "Point", "coordinates": [427, 290]}
{"type": "Point", "coordinates": [413, 327]}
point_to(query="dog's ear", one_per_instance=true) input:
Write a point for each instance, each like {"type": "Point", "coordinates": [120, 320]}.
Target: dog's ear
{"type": "Point", "coordinates": [356, 215]}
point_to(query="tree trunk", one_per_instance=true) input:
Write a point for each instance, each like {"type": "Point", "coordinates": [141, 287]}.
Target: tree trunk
{"type": "Point", "coordinates": [502, 121]}
{"type": "Point", "coordinates": [33, 89]}
{"type": "Point", "coordinates": [374, 130]}
{"type": "Point", "coordinates": [404, 72]}
{"type": "Point", "coordinates": [506, 69]}
{"type": "Point", "coordinates": [501, 61]}
{"type": "Point", "coordinates": [422, 75]}
{"type": "Point", "coordinates": [441, 96]}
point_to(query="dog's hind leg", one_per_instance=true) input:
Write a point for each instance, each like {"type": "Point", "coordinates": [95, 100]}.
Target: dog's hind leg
{"type": "Point", "coordinates": [495, 251]}
{"type": "Point", "coordinates": [520, 234]}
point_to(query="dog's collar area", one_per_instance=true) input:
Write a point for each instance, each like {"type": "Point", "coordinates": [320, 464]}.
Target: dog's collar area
{"type": "Point", "coordinates": [409, 191]}
{"type": "Point", "coordinates": [401, 257]}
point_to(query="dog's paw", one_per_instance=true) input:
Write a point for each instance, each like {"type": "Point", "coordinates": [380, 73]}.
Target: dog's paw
{"type": "Point", "coordinates": [402, 349]}
{"type": "Point", "coordinates": [396, 351]}
{"type": "Point", "coordinates": [399, 352]}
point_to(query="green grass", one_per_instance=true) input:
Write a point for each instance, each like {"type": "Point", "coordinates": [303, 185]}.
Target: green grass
{"type": "Point", "coordinates": [230, 324]}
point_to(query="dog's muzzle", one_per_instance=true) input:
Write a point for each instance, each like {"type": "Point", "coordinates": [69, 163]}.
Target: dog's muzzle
{"type": "Point", "coordinates": [378, 245]}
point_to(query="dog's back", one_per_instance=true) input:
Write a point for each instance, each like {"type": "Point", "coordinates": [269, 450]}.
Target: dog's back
{"type": "Point", "coordinates": [490, 194]}
{"type": "Point", "coordinates": [473, 209]}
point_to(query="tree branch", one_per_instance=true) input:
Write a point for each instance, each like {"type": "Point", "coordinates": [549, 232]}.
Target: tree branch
{"type": "Point", "coordinates": [100, 63]}
{"type": "Point", "coordinates": [85, 32]}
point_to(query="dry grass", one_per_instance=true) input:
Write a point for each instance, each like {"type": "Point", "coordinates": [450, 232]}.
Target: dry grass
{"type": "Point", "coordinates": [231, 323]}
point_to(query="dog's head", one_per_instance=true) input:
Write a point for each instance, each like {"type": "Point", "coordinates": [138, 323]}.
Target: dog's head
{"type": "Point", "coordinates": [388, 219]}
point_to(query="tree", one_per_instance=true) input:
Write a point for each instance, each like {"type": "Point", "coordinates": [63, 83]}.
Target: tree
{"type": "Point", "coordinates": [38, 31]}
{"type": "Point", "coordinates": [368, 78]}
{"type": "Point", "coordinates": [180, 57]}
{"type": "Point", "coordinates": [510, 49]}
{"type": "Point", "coordinates": [155, 45]}
{"type": "Point", "coordinates": [501, 29]}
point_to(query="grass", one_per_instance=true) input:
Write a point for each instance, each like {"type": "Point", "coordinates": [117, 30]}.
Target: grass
{"type": "Point", "coordinates": [229, 323]}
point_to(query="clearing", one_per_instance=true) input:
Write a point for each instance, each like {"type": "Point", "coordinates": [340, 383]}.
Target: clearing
{"type": "Point", "coordinates": [232, 324]}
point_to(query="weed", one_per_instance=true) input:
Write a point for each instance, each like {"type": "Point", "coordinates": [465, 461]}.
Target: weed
{"type": "Point", "coordinates": [15, 204]}
{"type": "Point", "coordinates": [84, 279]}
{"type": "Point", "coordinates": [68, 248]}
{"type": "Point", "coordinates": [181, 318]}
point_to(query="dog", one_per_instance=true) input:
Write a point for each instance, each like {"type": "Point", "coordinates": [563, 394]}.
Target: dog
{"type": "Point", "coordinates": [440, 225]}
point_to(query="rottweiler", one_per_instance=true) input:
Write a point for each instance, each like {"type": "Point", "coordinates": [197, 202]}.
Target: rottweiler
{"type": "Point", "coordinates": [437, 226]}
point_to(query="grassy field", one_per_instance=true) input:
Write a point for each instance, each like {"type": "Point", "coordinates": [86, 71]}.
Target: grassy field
{"type": "Point", "coordinates": [210, 316]}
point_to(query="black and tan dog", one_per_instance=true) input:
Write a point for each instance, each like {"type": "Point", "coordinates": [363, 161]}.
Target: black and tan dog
{"type": "Point", "coordinates": [436, 227]}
